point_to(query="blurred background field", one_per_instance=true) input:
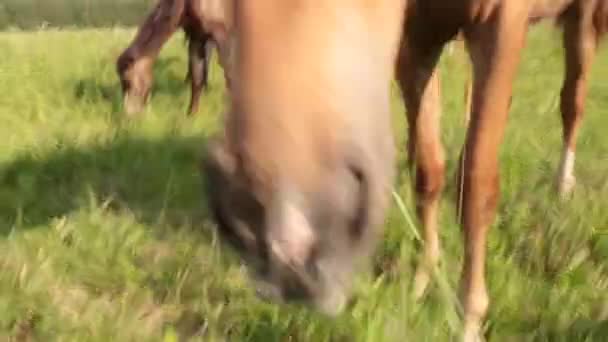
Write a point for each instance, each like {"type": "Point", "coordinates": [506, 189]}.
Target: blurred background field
{"type": "Point", "coordinates": [31, 14]}
{"type": "Point", "coordinates": [104, 234]}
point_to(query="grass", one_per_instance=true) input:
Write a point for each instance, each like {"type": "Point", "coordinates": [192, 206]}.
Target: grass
{"type": "Point", "coordinates": [104, 234]}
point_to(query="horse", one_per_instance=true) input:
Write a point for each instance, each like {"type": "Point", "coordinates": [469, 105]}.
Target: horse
{"type": "Point", "coordinates": [300, 180]}
{"type": "Point", "coordinates": [297, 182]}
{"type": "Point", "coordinates": [204, 24]}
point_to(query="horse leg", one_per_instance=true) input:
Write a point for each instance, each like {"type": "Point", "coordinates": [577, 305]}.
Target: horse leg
{"type": "Point", "coordinates": [419, 81]}
{"type": "Point", "coordinates": [479, 172]}
{"type": "Point", "coordinates": [580, 42]}
{"type": "Point", "coordinates": [198, 65]}
{"type": "Point", "coordinates": [495, 48]}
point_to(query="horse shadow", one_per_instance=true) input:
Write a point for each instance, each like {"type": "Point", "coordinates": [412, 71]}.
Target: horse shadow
{"type": "Point", "coordinates": [148, 177]}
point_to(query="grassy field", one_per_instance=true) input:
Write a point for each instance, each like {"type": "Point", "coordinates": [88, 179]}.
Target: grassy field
{"type": "Point", "coordinates": [104, 234]}
{"type": "Point", "coordinates": [31, 14]}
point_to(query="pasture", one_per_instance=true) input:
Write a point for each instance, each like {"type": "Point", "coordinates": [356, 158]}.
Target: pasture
{"type": "Point", "coordinates": [104, 234]}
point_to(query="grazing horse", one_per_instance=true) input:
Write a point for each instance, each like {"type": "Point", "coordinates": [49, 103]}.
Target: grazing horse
{"type": "Point", "coordinates": [301, 180]}
{"type": "Point", "coordinates": [204, 23]}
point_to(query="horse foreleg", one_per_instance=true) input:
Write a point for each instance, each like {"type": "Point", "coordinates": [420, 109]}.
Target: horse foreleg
{"type": "Point", "coordinates": [419, 81]}
{"type": "Point", "coordinates": [495, 52]}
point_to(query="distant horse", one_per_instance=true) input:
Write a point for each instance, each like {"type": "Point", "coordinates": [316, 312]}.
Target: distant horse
{"type": "Point", "coordinates": [204, 24]}
{"type": "Point", "coordinates": [301, 181]}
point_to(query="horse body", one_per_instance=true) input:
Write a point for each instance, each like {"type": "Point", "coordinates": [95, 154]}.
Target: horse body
{"type": "Point", "coordinates": [300, 182]}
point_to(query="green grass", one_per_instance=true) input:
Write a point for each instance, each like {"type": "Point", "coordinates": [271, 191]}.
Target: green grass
{"type": "Point", "coordinates": [104, 234]}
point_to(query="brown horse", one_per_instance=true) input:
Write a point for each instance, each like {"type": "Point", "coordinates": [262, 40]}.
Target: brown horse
{"type": "Point", "coordinates": [301, 181]}
{"type": "Point", "coordinates": [204, 23]}
{"type": "Point", "coordinates": [494, 32]}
